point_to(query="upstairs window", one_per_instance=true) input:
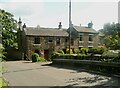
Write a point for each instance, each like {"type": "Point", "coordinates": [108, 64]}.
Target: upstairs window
{"type": "Point", "coordinates": [90, 37]}
{"type": "Point", "coordinates": [50, 39]}
{"type": "Point", "coordinates": [58, 41]}
{"type": "Point", "coordinates": [37, 40]}
{"type": "Point", "coordinates": [81, 37]}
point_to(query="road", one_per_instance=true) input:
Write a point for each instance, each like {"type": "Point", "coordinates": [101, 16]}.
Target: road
{"type": "Point", "coordinates": [25, 73]}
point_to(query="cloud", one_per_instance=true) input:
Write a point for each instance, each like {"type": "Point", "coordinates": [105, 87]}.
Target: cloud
{"type": "Point", "coordinates": [23, 8]}
{"type": "Point", "coordinates": [48, 14]}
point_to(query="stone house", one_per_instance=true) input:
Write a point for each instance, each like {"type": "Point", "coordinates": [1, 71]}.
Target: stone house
{"type": "Point", "coordinates": [86, 37]}
{"type": "Point", "coordinates": [45, 40]}
{"type": "Point", "coordinates": [42, 40]}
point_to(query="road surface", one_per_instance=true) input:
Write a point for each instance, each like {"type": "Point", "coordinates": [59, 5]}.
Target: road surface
{"type": "Point", "coordinates": [25, 73]}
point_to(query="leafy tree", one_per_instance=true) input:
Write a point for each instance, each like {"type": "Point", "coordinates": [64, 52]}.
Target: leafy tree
{"type": "Point", "coordinates": [8, 28]}
{"type": "Point", "coordinates": [112, 35]}
{"type": "Point", "coordinates": [2, 52]}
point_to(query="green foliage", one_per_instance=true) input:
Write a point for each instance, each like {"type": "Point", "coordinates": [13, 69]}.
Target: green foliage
{"type": "Point", "coordinates": [110, 54]}
{"type": "Point", "coordinates": [2, 53]}
{"type": "Point", "coordinates": [3, 83]}
{"type": "Point", "coordinates": [67, 51]}
{"type": "Point", "coordinates": [41, 59]}
{"type": "Point", "coordinates": [7, 26]}
{"type": "Point", "coordinates": [60, 51]}
{"type": "Point", "coordinates": [84, 50]}
{"type": "Point", "coordinates": [54, 55]}
{"type": "Point", "coordinates": [112, 35]}
{"type": "Point", "coordinates": [77, 51]}
{"type": "Point", "coordinates": [73, 56]}
{"type": "Point", "coordinates": [99, 50]}
{"type": "Point", "coordinates": [35, 57]}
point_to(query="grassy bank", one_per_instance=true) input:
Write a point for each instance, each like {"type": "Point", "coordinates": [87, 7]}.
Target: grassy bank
{"type": "Point", "coordinates": [3, 84]}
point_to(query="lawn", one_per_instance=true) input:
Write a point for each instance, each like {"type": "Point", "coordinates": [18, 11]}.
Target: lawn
{"type": "Point", "coordinates": [3, 83]}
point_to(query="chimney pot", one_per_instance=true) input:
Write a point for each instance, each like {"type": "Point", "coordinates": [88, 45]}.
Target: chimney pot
{"type": "Point", "coordinates": [60, 25]}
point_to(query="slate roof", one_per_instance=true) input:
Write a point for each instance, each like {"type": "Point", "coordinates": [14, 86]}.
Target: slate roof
{"type": "Point", "coordinates": [84, 29]}
{"type": "Point", "coordinates": [32, 31]}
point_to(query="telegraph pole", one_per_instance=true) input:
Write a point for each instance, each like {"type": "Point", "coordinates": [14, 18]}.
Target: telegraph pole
{"type": "Point", "coordinates": [70, 24]}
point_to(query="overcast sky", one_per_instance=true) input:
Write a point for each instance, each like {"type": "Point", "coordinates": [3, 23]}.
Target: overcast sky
{"type": "Point", "coordinates": [48, 13]}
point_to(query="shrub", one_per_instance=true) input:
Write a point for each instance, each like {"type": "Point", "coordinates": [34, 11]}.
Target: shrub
{"type": "Point", "coordinates": [60, 51]}
{"type": "Point", "coordinates": [110, 54]}
{"type": "Point", "coordinates": [67, 51]}
{"type": "Point", "coordinates": [35, 57]}
{"type": "Point", "coordinates": [77, 51]}
{"type": "Point", "coordinates": [54, 55]}
{"type": "Point", "coordinates": [99, 50]}
{"type": "Point", "coordinates": [41, 59]}
{"type": "Point", "coordinates": [84, 50]}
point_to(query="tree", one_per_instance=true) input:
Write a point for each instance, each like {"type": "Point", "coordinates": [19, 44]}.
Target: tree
{"type": "Point", "coordinates": [112, 35]}
{"type": "Point", "coordinates": [8, 28]}
{"type": "Point", "coordinates": [2, 52]}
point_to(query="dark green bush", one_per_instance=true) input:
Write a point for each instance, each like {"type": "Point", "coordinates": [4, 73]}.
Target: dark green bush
{"type": "Point", "coordinates": [73, 56]}
{"type": "Point", "coordinates": [35, 57]}
{"type": "Point", "coordinates": [99, 50]}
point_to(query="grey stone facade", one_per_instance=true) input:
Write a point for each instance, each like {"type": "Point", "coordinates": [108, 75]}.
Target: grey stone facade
{"type": "Point", "coordinates": [45, 40]}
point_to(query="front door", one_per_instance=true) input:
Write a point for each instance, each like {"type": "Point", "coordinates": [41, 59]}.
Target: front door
{"type": "Point", "coordinates": [46, 54]}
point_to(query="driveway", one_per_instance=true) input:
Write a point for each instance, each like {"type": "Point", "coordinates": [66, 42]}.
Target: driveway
{"type": "Point", "coordinates": [25, 73]}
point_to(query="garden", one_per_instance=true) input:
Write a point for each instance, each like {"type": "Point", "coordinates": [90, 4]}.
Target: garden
{"type": "Point", "coordinates": [97, 59]}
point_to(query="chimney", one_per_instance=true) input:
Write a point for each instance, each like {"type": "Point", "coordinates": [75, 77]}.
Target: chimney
{"type": "Point", "coordinates": [20, 24]}
{"type": "Point", "coordinates": [24, 26]}
{"type": "Point", "coordinates": [60, 25]}
{"type": "Point", "coordinates": [90, 25]}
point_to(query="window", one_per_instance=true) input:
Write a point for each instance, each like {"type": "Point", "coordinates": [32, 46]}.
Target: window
{"type": "Point", "coordinates": [72, 42]}
{"type": "Point", "coordinates": [66, 40]}
{"type": "Point", "coordinates": [90, 37]}
{"type": "Point", "coordinates": [37, 40]}
{"type": "Point", "coordinates": [81, 37]}
{"type": "Point", "coordinates": [50, 39]}
{"type": "Point", "coordinates": [58, 41]}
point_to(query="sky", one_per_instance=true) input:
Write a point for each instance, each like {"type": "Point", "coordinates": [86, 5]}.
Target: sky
{"type": "Point", "coordinates": [48, 13]}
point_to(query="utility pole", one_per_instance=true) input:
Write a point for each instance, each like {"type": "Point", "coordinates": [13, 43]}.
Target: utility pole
{"type": "Point", "coordinates": [70, 24]}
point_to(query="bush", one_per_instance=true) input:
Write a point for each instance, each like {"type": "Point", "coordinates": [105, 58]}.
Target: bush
{"type": "Point", "coordinates": [110, 54]}
{"type": "Point", "coordinates": [73, 56]}
{"type": "Point", "coordinates": [60, 51]}
{"type": "Point", "coordinates": [35, 57]}
{"type": "Point", "coordinates": [84, 50]}
{"type": "Point", "coordinates": [41, 59]}
{"type": "Point", "coordinates": [67, 51]}
{"type": "Point", "coordinates": [77, 51]}
{"type": "Point", "coordinates": [99, 50]}
{"type": "Point", "coordinates": [54, 55]}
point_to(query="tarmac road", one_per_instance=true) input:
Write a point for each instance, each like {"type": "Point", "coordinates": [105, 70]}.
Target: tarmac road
{"type": "Point", "coordinates": [25, 73]}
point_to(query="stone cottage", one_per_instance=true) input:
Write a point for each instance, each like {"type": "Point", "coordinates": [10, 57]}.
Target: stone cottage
{"type": "Point", "coordinates": [42, 40]}
{"type": "Point", "coordinates": [45, 40]}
